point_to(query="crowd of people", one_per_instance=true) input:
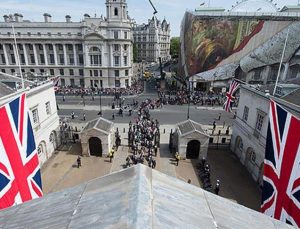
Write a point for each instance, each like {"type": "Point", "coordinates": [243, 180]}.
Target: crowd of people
{"type": "Point", "coordinates": [143, 137]}
{"type": "Point", "coordinates": [136, 88]}
{"type": "Point", "coordinates": [179, 97]}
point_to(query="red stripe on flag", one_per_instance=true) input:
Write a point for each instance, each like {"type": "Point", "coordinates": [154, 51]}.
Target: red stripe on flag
{"type": "Point", "coordinates": [21, 117]}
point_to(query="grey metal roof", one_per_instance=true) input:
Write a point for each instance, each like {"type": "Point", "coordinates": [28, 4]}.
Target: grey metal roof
{"type": "Point", "coordinates": [100, 124]}
{"type": "Point", "coordinates": [190, 126]}
{"type": "Point", "coordinates": [5, 90]}
{"type": "Point", "coordinates": [138, 197]}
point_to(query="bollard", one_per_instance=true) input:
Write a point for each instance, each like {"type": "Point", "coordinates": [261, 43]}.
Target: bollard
{"type": "Point", "coordinates": [164, 131]}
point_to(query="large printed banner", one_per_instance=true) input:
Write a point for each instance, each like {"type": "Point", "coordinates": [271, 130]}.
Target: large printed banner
{"type": "Point", "coordinates": [208, 41]}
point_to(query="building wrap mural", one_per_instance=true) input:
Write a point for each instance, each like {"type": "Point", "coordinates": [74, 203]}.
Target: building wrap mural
{"type": "Point", "coordinates": [208, 41]}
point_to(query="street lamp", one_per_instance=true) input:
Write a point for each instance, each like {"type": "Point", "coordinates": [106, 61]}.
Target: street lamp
{"type": "Point", "coordinates": [100, 93]}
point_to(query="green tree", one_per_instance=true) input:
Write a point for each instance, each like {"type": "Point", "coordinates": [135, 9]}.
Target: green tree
{"type": "Point", "coordinates": [175, 47]}
{"type": "Point", "coordinates": [135, 52]}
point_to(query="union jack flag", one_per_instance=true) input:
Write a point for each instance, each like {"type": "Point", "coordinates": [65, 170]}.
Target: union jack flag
{"type": "Point", "coordinates": [281, 180]}
{"type": "Point", "coordinates": [20, 178]}
{"type": "Point", "coordinates": [229, 95]}
{"type": "Point", "coordinates": [55, 81]}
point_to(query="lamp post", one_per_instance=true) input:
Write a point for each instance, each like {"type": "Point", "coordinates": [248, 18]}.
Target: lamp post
{"type": "Point", "coordinates": [100, 112]}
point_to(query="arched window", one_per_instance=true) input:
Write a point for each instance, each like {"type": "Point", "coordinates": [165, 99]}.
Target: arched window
{"type": "Point", "coordinates": [95, 56]}
{"type": "Point", "coordinates": [116, 12]}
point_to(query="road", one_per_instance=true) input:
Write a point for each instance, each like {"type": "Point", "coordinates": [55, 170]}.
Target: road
{"type": "Point", "coordinates": [169, 114]}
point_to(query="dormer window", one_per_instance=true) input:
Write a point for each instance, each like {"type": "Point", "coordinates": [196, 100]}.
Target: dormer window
{"type": "Point", "coordinates": [116, 12]}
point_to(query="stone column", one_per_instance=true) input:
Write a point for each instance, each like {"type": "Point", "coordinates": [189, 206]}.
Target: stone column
{"type": "Point", "coordinates": [35, 55]}
{"type": "Point", "coordinates": [15, 54]}
{"type": "Point", "coordinates": [25, 54]}
{"type": "Point", "coordinates": [45, 54]}
{"type": "Point", "coordinates": [121, 56]}
{"type": "Point", "coordinates": [65, 54]}
{"type": "Point", "coordinates": [75, 54]}
{"type": "Point", "coordinates": [5, 55]}
{"type": "Point", "coordinates": [55, 54]}
{"type": "Point", "coordinates": [86, 55]}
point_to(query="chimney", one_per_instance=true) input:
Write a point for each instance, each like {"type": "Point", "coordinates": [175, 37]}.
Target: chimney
{"type": "Point", "coordinates": [16, 15]}
{"type": "Point", "coordinates": [6, 18]}
{"type": "Point", "coordinates": [47, 17]}
{"type": "Point", "coordinates": [86, 16]}
{"type": "Point", "coordinates": [68, 18]}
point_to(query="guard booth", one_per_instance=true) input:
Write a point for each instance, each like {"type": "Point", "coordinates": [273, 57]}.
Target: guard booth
{"type": "Point", "coordinates": [190, 140]}
{"type": "Point", "coordinates": [97, 138]}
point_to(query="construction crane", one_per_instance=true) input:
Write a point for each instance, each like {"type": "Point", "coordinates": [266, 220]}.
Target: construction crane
{"type": "Point", "coordinates": [155, 11]}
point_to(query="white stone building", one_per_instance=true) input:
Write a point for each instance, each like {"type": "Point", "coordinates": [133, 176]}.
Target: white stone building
{"type": "Point", "coordinates": [249, 131]}
{"type": "Point", "coordinates": [152, 40]}
{"type": "Point", "coordinates": [44, 118]}
{"type": "Point", "coordinates": [97, 50]}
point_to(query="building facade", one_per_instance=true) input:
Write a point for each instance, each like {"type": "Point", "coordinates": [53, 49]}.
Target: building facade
{"type": "Point", "coordinates": [249, 131]}
{"type": "Point", "coordinates": [152, 40]}
{"type": "Point", "coordinates": [41, 103]}
{"type": "Point", "coordinates": [97, 50]}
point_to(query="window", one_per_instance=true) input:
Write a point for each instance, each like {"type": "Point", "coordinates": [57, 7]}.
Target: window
{"type": "Point", "coordinates": [61, 59]}
{"type": "Point", "coordinates": [13, 60]}
{"type": "Point", "coordinates": [246, 112]}
{"type": "Point", "coordinates": [117, 83]}
{"type": "Point", "coordinates": [116, 60]}
{"type": "Point", "coordinates": [81, 72]}
{"type": "Point", "coordinates": [72, 81]}
{"type": "Point", "coordinates": [125, 35]}
{"type": "Point", "coordinates": [100, 73]}
{"type": "Point", "coordinates": [40, 47]}
{"type": "Point", "coordinates": [125, 47]}
{"type": "Point", "coordinates": [52, 60]}
{"type": "Point", "coordinates": [116, 12]}
{"type": "Point", "coordinates": [71, 71]}
{"type": "Point", "coordinates": [48, 108]}
{"type": "Point", "coordinates": [42, 58]}
{"type": "Point", "coordinates": [39, 34]}
{"type": "Point", "coordinates": [35, 116]}
{"type": "Point", "coordinates": [22, 58]}
{"type": "Point", "coordinates": [60, 47]}
{"type": "Point", "coordinates": [259, 122]}
{"type": "Point", "coordinates": [125, 60]}
{"type": "Point", "coordinates": [63, 82]}
{"type": "Point", "coordinates": [95, 72]}
{"type": "Point", "coordinates": [50, 46]}
{"type": "Point", "coordinates": [80, 58]}
{"type": "Point", "coordinates": [42, 71]}
{"type": "Point", "coordinates": [117, 73]}
{"type": "Point", "coordinates": [116, 34]}
{"type": "Point", "coordinates": [3, 70]}
{"type": "Point", "coordinates": [126, 72]}
{"type": "Point", "coordinates": [79, 47]}
{"type": "Point", "coordinates": [70, 47]}
{"type": "Point", "coordinates": [61, 72]}
{"type": "Point", "coordinates": [32, 60]}
{"type": "Point", "coordinates": [12, 71]}
{"type": "Point", "coordinates": [71, 58]}
{"type": "Point", "coordinates": [95, 60]}
{"type": "Point", "coordinates": [52, 72]}
{"type": "Point", "coordinates": [3, 59]}
{"type": "Point", "coordinates": [91, 72]}
{"type": "Point", "coordinates": [116, 47]}
{"type": "Point", "coordinates": [59, 34]}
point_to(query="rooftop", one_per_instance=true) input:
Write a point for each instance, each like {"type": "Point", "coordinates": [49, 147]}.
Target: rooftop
{"type": "Point", "coordinates": [137, 197]}
{"type": "Point", "coordinates": [100, 124]}
{"type": "Point", "coordinates": [190, 126]}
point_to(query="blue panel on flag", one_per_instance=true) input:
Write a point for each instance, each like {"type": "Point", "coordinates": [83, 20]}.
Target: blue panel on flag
{"type": "Point", "coordinates": [14, 107]}
{"type": "Point", "coordinates": [38, 180]}
{"type": "Point", "coordinates": [3, 181]}
{"type": "Point", "coordinates": [30, 139]}
{"type": "Point", "coordinates": [282, 114]}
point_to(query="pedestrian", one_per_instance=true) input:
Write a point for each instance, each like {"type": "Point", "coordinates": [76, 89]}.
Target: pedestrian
{"type": "Point", "coordinates": [110, 155]}
{"type": "Point", "coordinates": [219, 118]}
{"type": "Point", "coordinates": [227, 130]}
{"type": "Point", "coordinates": [74, 138]}
{"type": "Point", "coordinates": [113, 116]}
{"type": "Point", "coordinates": [177, 157]}
{"type": "Point", "coordinates": [78, 161]}
{"type": "Point", "coordinates": [64, 99]}
{"type": "Point", "coordinates": [153, 164]}
{"type": "Point", "coordinates": [189, 181]}
{"type": "Point", "coordinates": [217, 188]}
{"type": "Point", "coordinates": [72, 115]}
{"type": "Point", "coordinates": [83, 116]}
{"type": "Point", "coordinates": [214, 125]}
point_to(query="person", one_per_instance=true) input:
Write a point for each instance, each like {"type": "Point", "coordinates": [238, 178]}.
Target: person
{"type": "Point", "coordinates": [72, 115]}
{"type": "Point", "coordinates": [110, 155]}
{"type": "Point", "coordinates": [78, 161]}
{"type": "Point", "coordinates": [177, 157]}
{"type": "Point", "coordinates": [217, 188]}
{"type": "Point", "coordinates": [219, 118]}
{"type": "Point", "coordinates": [113, 116]}
{"type": "Point", "coordinates": [214, 125]}
{"type": "Point", "coordinates": [128, 161]}
{"type": "Point", "coordinates": [153, 164]}
{"type": "Point", "coordinates": [189, 181]}
{"type": "Point", "coordinates": [83, 116]}
{"type": "Point", "coordinates": [64, 99]}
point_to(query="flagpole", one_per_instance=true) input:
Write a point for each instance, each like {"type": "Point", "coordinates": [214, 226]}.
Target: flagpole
{"type": "Point", "coordinates": [282, 56]}
{"type": "Point", "coordinates": [17, 56]}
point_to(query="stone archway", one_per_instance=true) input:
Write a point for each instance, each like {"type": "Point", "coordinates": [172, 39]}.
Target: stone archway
{"type": "Point", "coordinates": [53, 141]}
{"type": "Point", "coordinates": [42, 151]}
{"type": "Point", "coordinates": [193, 149]}
{"type": "Point", "coordinates": [95, 146]}
{"type": "Point", "coordinates": [238, 147]}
